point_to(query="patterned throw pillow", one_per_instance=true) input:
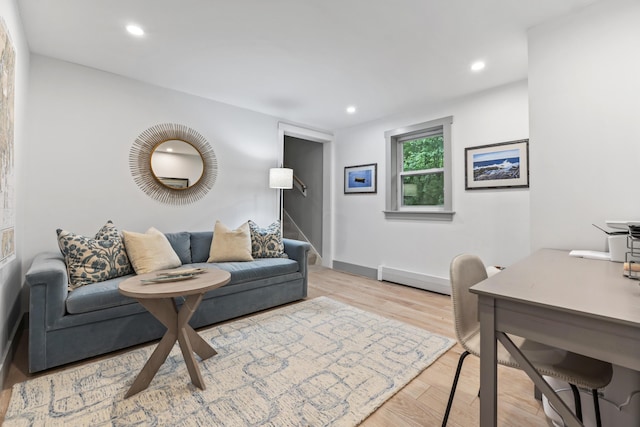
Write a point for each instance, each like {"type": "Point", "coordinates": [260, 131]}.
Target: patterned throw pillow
{"type": "Point", "coordinates": [267, 242]}
{"type": "Point", "coordinates": [93, 260]}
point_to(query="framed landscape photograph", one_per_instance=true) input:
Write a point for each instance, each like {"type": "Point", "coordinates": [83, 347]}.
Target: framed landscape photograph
{"type": "Point", "coordinates": [360, 179]}
{"type": "Point", "coordinates": [504, 165]}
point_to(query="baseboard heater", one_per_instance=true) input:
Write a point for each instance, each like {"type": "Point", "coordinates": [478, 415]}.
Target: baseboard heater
{"type": "Point", "coordinates": [415, 280]}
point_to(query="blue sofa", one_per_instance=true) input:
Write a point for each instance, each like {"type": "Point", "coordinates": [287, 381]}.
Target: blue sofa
{"type": "Point", "coordinates": [95, 319]}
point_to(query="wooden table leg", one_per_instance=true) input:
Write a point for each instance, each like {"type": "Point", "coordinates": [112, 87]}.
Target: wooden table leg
{"type": "Point", "coordinates": [163, 309]}
{"type": "Point", "coordinates": [178, 329]}
{"type": "Point", "coordinates": [488, 363]}
{"type": "Point", "coordinates": [186, 311]}
{"type": "Point", "coordinates": [568, 417]}
{"type": "Point", "coordinates": [199, 345]}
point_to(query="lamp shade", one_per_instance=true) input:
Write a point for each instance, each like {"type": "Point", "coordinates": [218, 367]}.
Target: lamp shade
{"type": "Point", "coordinates": [281, 178]}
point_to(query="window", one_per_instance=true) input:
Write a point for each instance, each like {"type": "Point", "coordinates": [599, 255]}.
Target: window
{"type": "Point", "coordinates": [419, 171]}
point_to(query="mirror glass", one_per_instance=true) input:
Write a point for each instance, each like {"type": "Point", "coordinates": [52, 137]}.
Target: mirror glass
{"type": "Point", "coordinates": [177, 164]}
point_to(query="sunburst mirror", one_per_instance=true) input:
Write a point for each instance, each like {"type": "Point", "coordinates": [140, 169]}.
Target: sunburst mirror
{"type": "Point", "coordinates": [173, 164]}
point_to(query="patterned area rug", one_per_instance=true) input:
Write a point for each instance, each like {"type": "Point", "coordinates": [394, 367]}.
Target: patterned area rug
{"type": "Point", "coordinates": [315, 363]}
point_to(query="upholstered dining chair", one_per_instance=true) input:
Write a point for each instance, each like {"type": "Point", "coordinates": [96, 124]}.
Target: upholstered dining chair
{"type": "Point", "coordinates": [579, 371]}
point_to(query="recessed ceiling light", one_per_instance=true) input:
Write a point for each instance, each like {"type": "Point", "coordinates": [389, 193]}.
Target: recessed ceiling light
{"type": "Point", "coordinates": [351, 109]}
{"type": "Point", "coordinates": [170, 149]}
{"type": "Point", "coordinates": [478, 66]}
{"type": "Point", "coordinates": [135, 30]}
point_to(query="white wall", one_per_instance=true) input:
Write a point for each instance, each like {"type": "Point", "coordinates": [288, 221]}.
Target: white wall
{"type": "Point", "coordinates": [584, 87]}
{"type": "Point", "coordinates": [493, 224]}
{"type": "Point", "coordinates": [11, 274]}
{"type": "Point", "coordinates": [82, 124]}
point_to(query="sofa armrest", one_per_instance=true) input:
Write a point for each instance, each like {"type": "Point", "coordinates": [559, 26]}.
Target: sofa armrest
{"type": "Point", "coordinates": [48, 288]}
{"type": "Point", "coordinates": [47, 281]}
{"type": "Point", "coordinates": [299, 251]}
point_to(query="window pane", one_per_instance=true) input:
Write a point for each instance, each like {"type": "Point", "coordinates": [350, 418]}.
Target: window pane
{"type": "Point", "coordinates": [423, 153]}
{"type": "Point", "coordinates": [420, 190]}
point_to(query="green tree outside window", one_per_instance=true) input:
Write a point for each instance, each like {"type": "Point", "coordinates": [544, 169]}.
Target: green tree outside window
{"type": "Point", "coordinates": [425, 158]}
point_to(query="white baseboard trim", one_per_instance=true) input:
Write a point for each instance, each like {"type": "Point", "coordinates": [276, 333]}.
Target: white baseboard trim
{"type": "Point", "coordinates": [440, 285]}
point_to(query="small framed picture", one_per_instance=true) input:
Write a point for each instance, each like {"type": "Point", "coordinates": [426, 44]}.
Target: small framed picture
{"type": "Point", "coordinates": [503, 165]}
{"type": "Point", "coordinates": [177, 183]}
{"type": "Point", "coordinates": [361, 179]}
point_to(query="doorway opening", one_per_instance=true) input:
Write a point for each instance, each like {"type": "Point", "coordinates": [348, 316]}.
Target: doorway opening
{"type": "Point", "coordinates": [303, 205]}
{"type": "Point", "coordinates": [307, 207]}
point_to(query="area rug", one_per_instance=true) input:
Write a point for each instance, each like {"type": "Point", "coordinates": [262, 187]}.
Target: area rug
{"type": "Point", "coordinates": [315, 363]}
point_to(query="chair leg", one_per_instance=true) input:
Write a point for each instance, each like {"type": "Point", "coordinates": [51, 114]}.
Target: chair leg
{"type": "Point", "coordinates": [453, 388]}
{"type": "Point", "coordinates": [576, 399]}
{"type": "Point", "coordinates": [596, 407]}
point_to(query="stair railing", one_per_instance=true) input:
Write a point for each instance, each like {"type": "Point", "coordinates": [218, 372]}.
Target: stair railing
{"type": "Point", "coordinates": [301, 236]}
{"type": "Point", "coordinates": [299, 185]}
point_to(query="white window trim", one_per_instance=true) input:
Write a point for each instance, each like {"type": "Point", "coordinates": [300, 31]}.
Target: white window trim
{"type": "Point", "coordinates": [392, 183]}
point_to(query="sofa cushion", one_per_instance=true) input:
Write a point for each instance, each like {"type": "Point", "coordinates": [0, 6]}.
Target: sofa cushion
{"type": "Point", "coordinates": [230, 245]}
{"type": "Point", "coordinates": [254, 270]}
{"type": "Point", "coordinates": [91, 260]}
{"type": "Point", "coordinates": [97, 296]}
{"type": "Point", "coordinates": [266, 242]}
{"type": "Point", "coordinates": [181, 244]}
{"type": "Point", "coordinates": [150, 251]}
{"type": "Point", "coordinates": [200, 245]}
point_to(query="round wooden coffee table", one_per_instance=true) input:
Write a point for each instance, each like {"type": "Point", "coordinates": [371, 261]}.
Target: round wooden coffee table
{"type": "Point", "coordinates": [158, 299]}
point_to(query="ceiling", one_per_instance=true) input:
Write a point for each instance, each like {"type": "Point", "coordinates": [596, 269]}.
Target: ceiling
{"type": "Point", "coordinates": [303, 61]}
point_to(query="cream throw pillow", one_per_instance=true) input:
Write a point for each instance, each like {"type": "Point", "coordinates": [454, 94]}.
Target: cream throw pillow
{"type": "Point", "coordinates": [150, 251]}
{"type": "Point", "coordinates": [230, 245]}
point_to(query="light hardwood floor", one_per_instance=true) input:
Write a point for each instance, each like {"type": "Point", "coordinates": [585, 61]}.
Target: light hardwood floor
{"type": "Point", "coordinates": [422, 402]}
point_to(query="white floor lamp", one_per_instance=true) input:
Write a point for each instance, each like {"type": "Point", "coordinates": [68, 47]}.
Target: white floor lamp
{"type": "Point", "coordinates": [281, 179]}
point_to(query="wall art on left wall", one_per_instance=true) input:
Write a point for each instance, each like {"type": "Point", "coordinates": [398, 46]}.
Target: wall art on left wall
{"type": "Point", "coordinates": [7, 179]}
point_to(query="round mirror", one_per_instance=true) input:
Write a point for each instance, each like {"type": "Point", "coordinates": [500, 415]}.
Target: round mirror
{"type": "Point", "coordinates": [173, 164]}
{"type": "Point", "coordinates": [177, 164]}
